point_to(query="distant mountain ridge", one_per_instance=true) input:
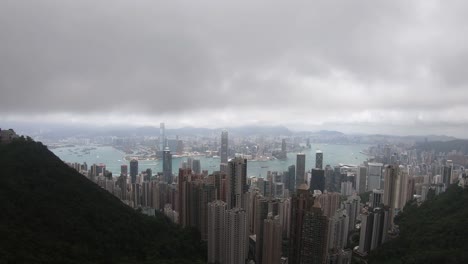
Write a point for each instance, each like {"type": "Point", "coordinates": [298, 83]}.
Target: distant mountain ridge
{"type": "Point", "coordinates": [56, 132]}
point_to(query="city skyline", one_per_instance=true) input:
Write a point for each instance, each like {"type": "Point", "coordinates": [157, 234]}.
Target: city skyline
{"type": "Point", "coordinates": [357, 67]}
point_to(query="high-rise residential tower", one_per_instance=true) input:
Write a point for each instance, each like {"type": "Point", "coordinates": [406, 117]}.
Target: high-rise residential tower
{"type": "Point", "coordinates": [236, 236]}
{"type": "Point", "coordinates": [391, 190]}
{"type": "Point", "coordinates": [216, 229]}
{"type": "Point", "coordinates": [272, 238]}
{"type": "Point", "coordinates": [237, 183]}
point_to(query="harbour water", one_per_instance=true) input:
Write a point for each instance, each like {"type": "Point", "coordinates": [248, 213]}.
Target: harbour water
{"type": "Point", "coordinates": [113, 158]}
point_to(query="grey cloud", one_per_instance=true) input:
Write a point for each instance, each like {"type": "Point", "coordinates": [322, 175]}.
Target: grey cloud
{"type": "Point", "coordinates": [328, 58]}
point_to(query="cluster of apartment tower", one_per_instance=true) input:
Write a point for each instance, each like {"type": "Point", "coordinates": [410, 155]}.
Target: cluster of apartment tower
{"type": "Point", "coordinates": [296, 216]}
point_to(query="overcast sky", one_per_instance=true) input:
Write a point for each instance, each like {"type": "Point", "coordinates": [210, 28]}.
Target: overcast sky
{"type": "Point", "coordinates": [395, 67]}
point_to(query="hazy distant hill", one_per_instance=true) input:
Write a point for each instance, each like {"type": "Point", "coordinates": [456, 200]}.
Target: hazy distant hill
{"type": "Point", "coordinates": [445, 146]}
{"type": "Point", "coordinates": [435, 232]}
{"type": "Point", "coordinates": [197, 131]}
{"type": "Point", "coordinates": [52, 214]}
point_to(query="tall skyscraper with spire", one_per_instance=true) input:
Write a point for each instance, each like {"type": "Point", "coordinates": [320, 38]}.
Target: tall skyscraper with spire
{"type": "Point", "coordinates": [162, 137]}
{"type": "Point", "coordinates": [224, 146]}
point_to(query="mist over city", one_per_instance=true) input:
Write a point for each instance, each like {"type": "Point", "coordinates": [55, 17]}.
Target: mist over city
{"type": "Point", "coordinates": [233, 132]}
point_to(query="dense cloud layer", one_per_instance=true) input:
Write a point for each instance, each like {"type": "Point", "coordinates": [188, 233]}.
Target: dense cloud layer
{"type": "Point", "coordinates": [213, 63]}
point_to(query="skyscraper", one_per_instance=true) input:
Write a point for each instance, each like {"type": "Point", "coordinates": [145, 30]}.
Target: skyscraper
{"type": "Point", "coordinates": [300, 169]}
{"type": "Point", "coordinates": [319, 159]}
{"type": "Point", "coordinates": [361, 179]}
{"type": "Point", "coordinates": [216, 229]}
{"type": "Point", "coordinates": [338, 232]}
{"type": "Point", "coordinates": [123, 170]}
{"type": "Point", "coordinates": [207, 194]}
{"type": "Point", "coordinates": [373, 229]}
{"type": "Point", "coordinates": [365, 237]}
{"type": "Point", "coordinates": [291, 178]}
{"type": "Point", "coordinates": [133, 170]}
{"type": "Point", "coordinates": [272, 237]}
{"type": "Point", "coordinates": [317, 181]}
{"type": "Point", "coordinates": [162, 137]}
{"type": "Point", "coordinates": [376, 198]}
{"type": "Point", "coordinates": [314, 240]}
{"type": "Point", "coordinates": [374, 176]}
{"type": "Point", "coordinates": [236, 183]}
{"type": "Point", "coordinates": [446, 175]}
{"type": "Point", "coordinates": [261, 213]}
{"type": "Point", "coordinates": [391, 190]}
{"type": "Point", "coordinates": [330, 202]}
{"type": "Point", "coordinates": [301, 202]}
{"type": "Point", "coordinates": [196, 166]}
{"type": "Point", "coordinates": [224, 146]}
{"type": "Point", "coordinates": [236, 236]}
{"type": "Point", "coordinates": [167, 165]}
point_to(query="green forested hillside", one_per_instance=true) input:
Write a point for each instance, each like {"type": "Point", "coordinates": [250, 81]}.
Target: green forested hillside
{"type": "Point", "coordinates": [49, 213]}
{"type": "Point", "coordinates": [435, 232]}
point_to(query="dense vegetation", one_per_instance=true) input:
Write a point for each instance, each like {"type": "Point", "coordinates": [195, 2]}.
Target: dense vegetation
{"type": "Point", "coordinates": [435, 232]}
{"type": "Point", "coordinates": [52, 214]}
